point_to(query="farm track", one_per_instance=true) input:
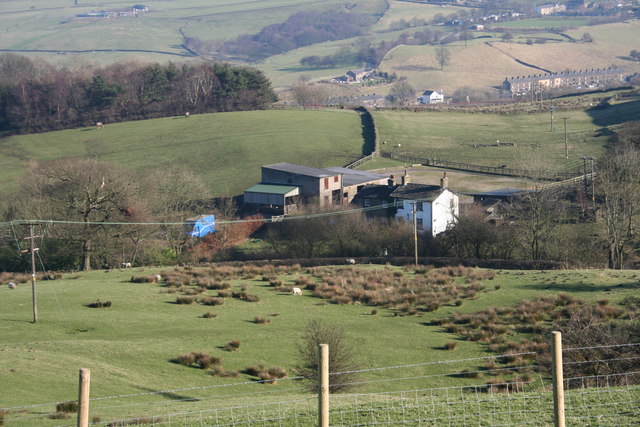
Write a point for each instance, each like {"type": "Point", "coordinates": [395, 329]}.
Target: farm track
{"type": "Point", "coordinates": [519, 61]}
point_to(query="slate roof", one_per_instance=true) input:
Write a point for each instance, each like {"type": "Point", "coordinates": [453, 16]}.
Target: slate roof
{"type": "Point", "coordinates": [299, 170]}
{"type": "Point", "coordinates": [373, 191]}
{"type": "Point", "coordinates": [427, 193]}
{"type": "Point", "coordinates": [355, 177]}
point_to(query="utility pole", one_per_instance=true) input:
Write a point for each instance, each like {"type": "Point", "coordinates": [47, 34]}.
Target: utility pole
{"type": "Point", "coordinates": [551, 109]}
{"type": "Point", "coordinates": [566, 142]}
{"type": "Point", "coordinates": [33, 250]}
{"type": "Point", "coordinates": [415, 233]}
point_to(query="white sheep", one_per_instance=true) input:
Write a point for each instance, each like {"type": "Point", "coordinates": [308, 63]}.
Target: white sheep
{"type": "Point", "coordinates": [125, 265]}
{"type": "Point", "coordinates": [157, 277]}
{"type": "Point", "coordinates": [296, 291]}
{"type": "Point", "coordinates": [350, 261]}
{"type": "Point", "coordinates": [99, 125]}
{"type": "Point", "coordinates": [186, 115]}
{"type": "Point", "coordinates": [12, 285]}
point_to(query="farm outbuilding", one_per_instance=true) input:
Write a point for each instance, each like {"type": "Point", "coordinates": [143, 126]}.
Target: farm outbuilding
{"type": "Point", "coordinates": [274, 199]}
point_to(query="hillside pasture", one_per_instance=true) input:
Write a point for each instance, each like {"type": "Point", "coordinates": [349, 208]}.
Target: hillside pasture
{"type": "Point", "coordinates": [132, 346]}
{"type": "Point", "coordinates": [485, 62]}
{"type": "Point", "coordinates": [452, 135]}
{"type": "Point", "coordinates": [53, 25]}
{"type": "Point", "coordinates": [225, 149]}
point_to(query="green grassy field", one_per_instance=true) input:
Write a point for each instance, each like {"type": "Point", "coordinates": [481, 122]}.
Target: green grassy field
{"type": "Point", "coordinates": [217, 146]}
{"type": "Point", "coordinates": [451, 135]}
{"type": "Point", "coordinates": [129, 347]}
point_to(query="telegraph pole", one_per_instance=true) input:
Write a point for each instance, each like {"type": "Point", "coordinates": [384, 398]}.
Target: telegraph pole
{"type": "Point", "coordinates": [33, 250]}
{"type": "Point", "coordinates": [415, 233]}
{"type": "Point", "coordinates": [566, 143]}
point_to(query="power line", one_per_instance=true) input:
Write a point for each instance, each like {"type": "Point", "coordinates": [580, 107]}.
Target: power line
{"type": "Point", "coordinates": [222, 222]}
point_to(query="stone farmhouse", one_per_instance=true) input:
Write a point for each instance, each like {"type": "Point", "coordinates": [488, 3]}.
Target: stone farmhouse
{"type": "Point", "coordinates": [431, 97]}
{"type": "Point", "coordinates": [550, 9]}
{"type": "Point", "coordinates": [284, 186]}
{"type": "Point", "coordinates": [436, 207]}
{"type": "Point", "coordinates": [525, 85]}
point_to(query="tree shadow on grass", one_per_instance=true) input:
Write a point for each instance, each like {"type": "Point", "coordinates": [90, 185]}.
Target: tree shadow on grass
{"type": "Point", "coordinates": [580, 287]}
{"type": "Point", "coordinates": [170, 395]}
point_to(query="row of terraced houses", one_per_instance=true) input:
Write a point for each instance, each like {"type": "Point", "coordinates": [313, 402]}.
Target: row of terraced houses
{"type": "Point", "coordinates": [582, 79]}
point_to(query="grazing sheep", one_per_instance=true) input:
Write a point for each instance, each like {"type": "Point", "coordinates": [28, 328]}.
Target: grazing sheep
{"type": "Point", "coordinates": [350, 261]}
{"type": "Point", "coordinates": [186, 115]}
{"type": "Point", "coordinates": [125, 265]}
{"type": "Point", "coordinates": [12, 285]}
{"type": "Point", "coordinates": [297, 291]}
{"type": "Point", "coordinates": [99, 125]}
{"type": "Point", "coordinates": [157, 277]}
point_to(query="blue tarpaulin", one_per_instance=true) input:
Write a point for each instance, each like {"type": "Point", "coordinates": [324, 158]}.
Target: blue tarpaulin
{"type": "Point", "coordinates": [202, 225]}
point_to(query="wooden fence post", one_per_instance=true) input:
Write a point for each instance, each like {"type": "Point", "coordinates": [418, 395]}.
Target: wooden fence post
{"type": "Point", "coordinates": [323, 385]}
{"type": "Point", "coordinates": [83, 398]}
{"type": "Point", "coordinates": [558, 380]}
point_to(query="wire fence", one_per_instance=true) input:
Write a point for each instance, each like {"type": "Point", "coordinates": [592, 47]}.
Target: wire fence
{"type": "Point", "coordinates": [479, 391]}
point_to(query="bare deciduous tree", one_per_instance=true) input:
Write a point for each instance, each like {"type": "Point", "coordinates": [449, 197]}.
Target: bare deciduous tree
{"type": "Point", "coordinates": [443, 57]}
{"type": "Point", "coordinates": [81, 190]}
{"type": "Point", "coordinates": [618, 184]}
{"type": "Point", "coordinates": [341, 357]}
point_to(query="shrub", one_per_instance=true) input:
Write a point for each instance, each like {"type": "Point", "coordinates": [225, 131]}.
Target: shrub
{"type": "Point", "coordinates": [204, 361]}
{"type": "Point", "coordinates": [341, 357]}
{"type": "Point", "coordinates": [232, 345]}
{"type": "Point", "coordinates": [100, 304]}
{"type": "Point", "coordinates": [67, 407]}
{"type": "Point", "coordinates": [3, 414]}
{"type": "Point", "coordinates": [142, 279]}
{"type": "Point", "coordinates": [185, 299]}
{"type": "Point", "coordinates": [186, 359]}
{"type": "Point", "coordinates": [450, 345]}
{"type": "Point", "coordinates": [219, 371]}
{"type": "Point", "coordinates": [261, 320]}
{"type": "Point", "coordinates": [211, 301]}
{"type": "Point", "coordinates": [209, 315]}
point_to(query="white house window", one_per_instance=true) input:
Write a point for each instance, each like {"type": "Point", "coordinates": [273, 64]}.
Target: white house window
{"type": "Point", "coordinates": [419, 206]}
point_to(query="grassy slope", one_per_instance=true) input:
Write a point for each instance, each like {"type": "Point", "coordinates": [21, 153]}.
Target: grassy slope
{"type": "Point", "coordinates": [450, 135]}
{"type": "Point", "coordinates": [128, 346]}
{"type": "Point", "coordinates": [50, 24]}
{"type": "Point", "coordinates": [217, 146]}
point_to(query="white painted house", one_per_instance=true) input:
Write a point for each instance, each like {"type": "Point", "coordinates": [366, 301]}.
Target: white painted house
{"type": "Point", "coordinates": [431, 97]}
{"type": "Point", "coordinates": [436, 207]}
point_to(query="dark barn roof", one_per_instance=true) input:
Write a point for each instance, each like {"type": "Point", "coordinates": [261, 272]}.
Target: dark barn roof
{"type": "Point", "coordinates": [418, 192]}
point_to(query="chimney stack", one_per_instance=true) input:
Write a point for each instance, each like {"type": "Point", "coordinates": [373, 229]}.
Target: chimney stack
{"type": "Point", "coordinates": [444, 181]}
{"type": "Point", "coordinates": [405, 178]}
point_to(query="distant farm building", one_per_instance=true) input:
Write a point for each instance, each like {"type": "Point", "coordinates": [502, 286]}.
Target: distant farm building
{"type": "Point", "coordinates": [582, 79]}
{"type": "Point", "coordinates": [285, 185]}
{"type": "Point", "coordinates": [550, 9]}
{"type": "Point", "coordinates": [116, 13]}
{"type": "Point", "coordinates": [431, 97]}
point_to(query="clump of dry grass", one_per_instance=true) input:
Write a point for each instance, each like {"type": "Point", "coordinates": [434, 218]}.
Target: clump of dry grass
{"type": "Point", "coordinates": [100, 304]}
{"type": "Point", "coordinates": [259, 320]}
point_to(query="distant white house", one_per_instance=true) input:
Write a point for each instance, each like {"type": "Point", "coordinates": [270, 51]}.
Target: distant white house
{"type": "Point", "coordinates": [431, 97]}
{"type": "Point", "coordinates": [436, 207]}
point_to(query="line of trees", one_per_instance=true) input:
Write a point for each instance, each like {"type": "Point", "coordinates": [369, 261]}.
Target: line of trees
{"type": "Point", "coordinates": [300, 29]}
{"type": "Point", "coordinates": [37, 96]}
{"type": "Point", "coordinates": [363, 52]}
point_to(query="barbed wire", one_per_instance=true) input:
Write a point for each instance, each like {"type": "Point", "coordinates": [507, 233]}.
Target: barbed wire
{"type": "Point", "coordinates": [438, 362]}
{"type": "Point", "coordinates": [600, 346]}
{"type": "Point", "coordinates": [601, 360]}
